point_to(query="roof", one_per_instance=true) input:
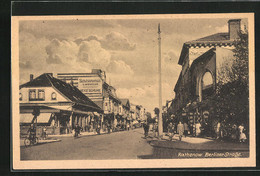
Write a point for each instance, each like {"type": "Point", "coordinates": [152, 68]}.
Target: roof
{"type": "Point", "coordinates": [178, 82]}
{"type": "Point", "coordinates": [69, 91]}
{"type": "Point", "coordinates": [124, 101]}
{"type": "Point", "coordinates": [218, 39]}
{"type": "Point", "coordinates": [109, 93]}
{"type": "Point", "coordinates": [204, 56]}
{"type": "Point", "coordinates": [211, 38]}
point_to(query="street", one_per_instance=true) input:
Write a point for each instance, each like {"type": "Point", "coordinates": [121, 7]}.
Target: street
{"type": "Point", "coordinates": [118, 145]}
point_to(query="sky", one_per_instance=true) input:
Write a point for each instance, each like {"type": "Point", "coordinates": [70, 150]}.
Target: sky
{"type": "Point", "coordinates": [126, 49]}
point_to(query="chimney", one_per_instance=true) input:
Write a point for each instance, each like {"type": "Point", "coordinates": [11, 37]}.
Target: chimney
{"type": "Point", "coordinates": [234, 28]}
{"type": "Point", "coordinates": [31, 77]}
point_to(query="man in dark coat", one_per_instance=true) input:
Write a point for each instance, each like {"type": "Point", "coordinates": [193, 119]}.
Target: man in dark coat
{"type": "Point", "coordinates": [146, 129]}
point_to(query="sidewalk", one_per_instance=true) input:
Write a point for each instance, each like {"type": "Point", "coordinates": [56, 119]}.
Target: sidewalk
{"type": "Point", "coordinates": [55, 138]}
{"type": "Point", "coordinates": [83, 134]}
{"type": "Point", "coordinates": [41, 141]}
{"type": "Point", "coordinates": [197, 144]}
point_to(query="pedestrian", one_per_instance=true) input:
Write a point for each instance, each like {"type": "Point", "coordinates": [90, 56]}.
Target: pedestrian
{"type": "Point", "coordinates": [234, 133]}
{"type": "Point", "coordinates": [32, 132]}
{"type": "Point", "coordinates": [128, 126]}
{"type": "Point", "coordinates": [197, 127]}
{"type": "Point", "coordinates": [170, 130]}
{"type": "Point", "coordinates": [218, 130]}
{"type": "Point", "coordinates": [186, 129]}
{"type": "Point", "coordinates": [77, 130]}
{"type": "Point", "coordinates": [180, 130]}
{"type": "Point", "coordinates": [44, 133]}
{"type": "Point", "coordinates": [108, 127]}
{"type": "Point", "coordinates": [146, 129]}
{"type": "Point", "coordinates": [242, 135]}
{"type": "Point", "coordinates": [155, 129]}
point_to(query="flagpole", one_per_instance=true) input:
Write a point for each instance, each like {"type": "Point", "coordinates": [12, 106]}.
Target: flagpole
{"type": "Point", "coordinates": [160, 121]}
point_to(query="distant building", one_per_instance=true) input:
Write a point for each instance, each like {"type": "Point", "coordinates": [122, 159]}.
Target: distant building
{"type": "Point", "coordinates": [61, 105]}
{"type": "Point", "coordinates": [201, 61]}
{"type": "Point", "coordinates": [124, 111]}
{"type": "Point", "coordinates": [94, 86]}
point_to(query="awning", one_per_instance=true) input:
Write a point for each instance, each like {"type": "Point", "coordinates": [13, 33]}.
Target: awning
{"type": "Point", "coordinates": [95, 113]}
{"type": "Point", "coordinates": [65, 108]}
{"type": "Point", "coordinates": [42, 118]}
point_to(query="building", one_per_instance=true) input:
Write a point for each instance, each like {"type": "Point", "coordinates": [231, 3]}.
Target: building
{"type": "Point", "coordinates": [60, 105]}
{"type": "Point", "coordinates": [201, 62]}
{"type": "Point", "coordinates": [142, 113]}
{"type": "Point", "coordinates": [124, 111]}
{"type": "Point", "coordinates": [94, 86]}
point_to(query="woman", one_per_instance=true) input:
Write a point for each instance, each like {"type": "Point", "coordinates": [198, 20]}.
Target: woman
{"type": "Point", "coordinates": [180, 130]}
{"type": "Point", "coordinates": [170, 131]}
{"type": "Point", "coordinates": [242, 135]}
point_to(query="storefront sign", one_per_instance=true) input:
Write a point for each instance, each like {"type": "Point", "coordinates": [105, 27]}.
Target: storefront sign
{"type": "Point", "coordinates": [90, 85]}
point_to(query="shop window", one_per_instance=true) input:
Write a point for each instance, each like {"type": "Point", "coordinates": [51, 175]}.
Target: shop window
{"type": "Point", "coordinates": [53, 96]}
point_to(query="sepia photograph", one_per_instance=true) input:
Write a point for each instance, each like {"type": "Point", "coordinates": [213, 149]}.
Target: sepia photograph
{"type": "Point", "coordinates": [133, 91]}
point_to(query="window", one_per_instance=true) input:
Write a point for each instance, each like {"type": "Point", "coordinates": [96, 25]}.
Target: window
{"type": "Point", "coordinates": [32, 94]}
{"type": "Point", "coordinates": [20, 96]}
{"type": "Point", "coordinates": [207, 80]}
{"type": "Point", "coordinates": [53, 96]}
{"type": "Point", "coordinates": [35, 95]}
{"type": "Point", "coordinates": [207, 85]}
{"type": "Point", "coordinates": [41, 95]}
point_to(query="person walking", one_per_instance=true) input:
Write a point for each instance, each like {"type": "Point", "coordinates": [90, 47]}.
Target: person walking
{"type": "Point", "coordinates": [186, 129]}
{"type": "Point", "coordinates": [197, 127]}
{"type": "Point", "coordinates": [180, 130]}
{"type": "Point", "coordinates": [77, 130]}
{"type": "Point", "coordinates": [146, 129]}
{"type": "Point", "coordinates": [242, 135]}
{"type": "Point", "coordinates": [155, 130]}
{"type": "Point", "coordinates": [170, 131]}
{"type": "Point", "coordinates": [44, 133]}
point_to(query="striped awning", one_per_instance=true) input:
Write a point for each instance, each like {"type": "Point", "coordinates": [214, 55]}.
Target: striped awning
{"type": "Point", "coordinates": [42, 118]}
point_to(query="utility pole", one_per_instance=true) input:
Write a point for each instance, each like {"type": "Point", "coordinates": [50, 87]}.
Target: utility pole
{"type": "Point", "coordinates": [160, 121]}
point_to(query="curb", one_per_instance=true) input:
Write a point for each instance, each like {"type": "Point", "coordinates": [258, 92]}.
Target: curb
{"type": "Point", "coordinates": [71, 135]}
{"type": "Point", "coordinates": [199, 149]}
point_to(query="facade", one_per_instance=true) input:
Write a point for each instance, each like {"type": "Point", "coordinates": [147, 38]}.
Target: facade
{"type": "Point", "coordinates": [94, 86]}
{"type": "Point", "coordinates": [142, 113]}
{"type": "Point", "coordinates": [201, 62]}
{"type": "Point", "coordinates": [124, 112]}
{"type": "Point", "coordinates": [60, 105]}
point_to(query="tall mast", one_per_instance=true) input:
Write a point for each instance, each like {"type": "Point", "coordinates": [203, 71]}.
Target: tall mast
{"type": "Point", "coordinates": [160, 121]}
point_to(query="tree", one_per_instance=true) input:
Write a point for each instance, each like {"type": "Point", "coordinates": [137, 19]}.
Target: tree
{"type": "Point", "coordinates": [231, 100]}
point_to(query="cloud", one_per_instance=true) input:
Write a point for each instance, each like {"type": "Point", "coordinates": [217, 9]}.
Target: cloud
{"type": "Point", "coordinates": [25, 65]}
{"type": "Point", "coordinates": [116, 41]}
{"type": "Point", "coordinates": [119, 67]}
{"type": "Point", "coordinates": [146, 95]}
{"type": "Point", "coordinates": [112, 41]}
{"type": "Point", "coordinates": [92, 53]}
{"type": "Point", "coordinates": [171, 57]}
{"type": "Point", "coordinates": [61, 51]}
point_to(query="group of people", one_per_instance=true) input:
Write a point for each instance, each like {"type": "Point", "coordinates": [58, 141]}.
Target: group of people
{"type": "Point", "coordinates": [235, 132]}
{"type": "Point", "coordinates": [182, 130]}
